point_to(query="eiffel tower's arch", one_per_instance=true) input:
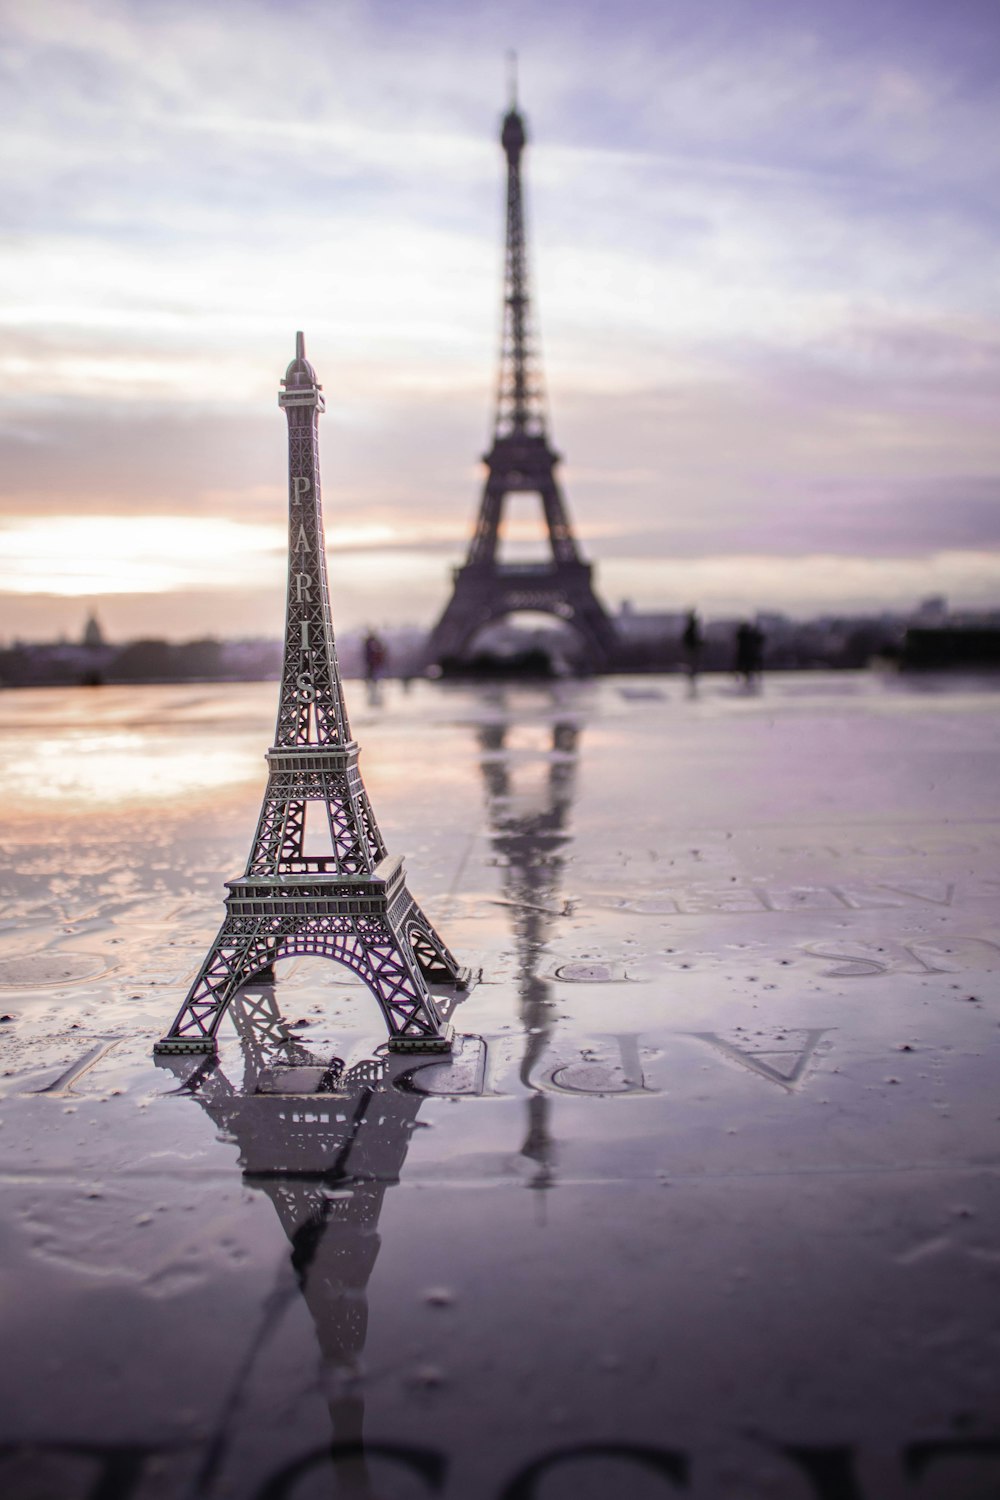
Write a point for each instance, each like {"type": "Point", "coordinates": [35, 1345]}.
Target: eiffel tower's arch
{"type": "Point", "coordinates": [486, 595]}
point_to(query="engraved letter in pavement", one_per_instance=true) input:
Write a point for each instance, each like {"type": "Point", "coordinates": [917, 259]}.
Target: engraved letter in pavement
{"type": "Point", "coordinates": [781, 1055]}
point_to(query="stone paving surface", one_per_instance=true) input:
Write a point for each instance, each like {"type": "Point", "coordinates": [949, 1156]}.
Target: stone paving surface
{"type": "Point", "coordinates": [704, 1203]}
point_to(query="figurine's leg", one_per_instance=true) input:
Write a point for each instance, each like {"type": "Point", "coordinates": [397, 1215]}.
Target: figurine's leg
{"type": "Point", "coordinates": [436, 962]}
{"type": "Point", "coordinates": [391, 973]}
{"type": "Point", "coordinates": [233, 960]}
{"type": "Point", "coordinates": [266, 974]}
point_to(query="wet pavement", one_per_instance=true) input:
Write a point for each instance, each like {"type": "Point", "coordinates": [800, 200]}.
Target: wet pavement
{"type": "Point", "coordinates": [705, 1201]}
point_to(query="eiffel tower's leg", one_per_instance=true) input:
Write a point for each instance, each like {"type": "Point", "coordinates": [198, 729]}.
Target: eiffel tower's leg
{"type": "Point", "coordinates": [560, 532]}
{"type": "Point", "coordinates": [236, 957]}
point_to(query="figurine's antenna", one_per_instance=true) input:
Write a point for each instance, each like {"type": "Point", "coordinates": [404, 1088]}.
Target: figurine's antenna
{"type": "Point", "coordinates": [512, 77]}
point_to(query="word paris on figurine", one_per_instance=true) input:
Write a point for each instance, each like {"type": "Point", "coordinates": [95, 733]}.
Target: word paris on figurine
{"type": "Point", "coordinates": [352, 904]}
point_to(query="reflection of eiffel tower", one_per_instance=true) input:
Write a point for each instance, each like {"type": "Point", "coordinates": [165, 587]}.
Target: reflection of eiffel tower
{"type": "Point", "coordinates": [349, 901]}
{"type": "Point", "coordinates": [530, 841]}
{"type": "Point", "coordinates": [521, 460]}
{"type": "Point", "coordinates": [324, 1144]}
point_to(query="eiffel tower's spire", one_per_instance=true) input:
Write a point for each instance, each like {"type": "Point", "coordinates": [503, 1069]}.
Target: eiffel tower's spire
{"type": "Point", "coordinates": [520, 397]}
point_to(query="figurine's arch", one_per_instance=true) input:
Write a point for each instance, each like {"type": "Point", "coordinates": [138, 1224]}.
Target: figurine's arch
{"type": "Point", "coordinates": [386, 966]}
{"type": "Point", "coordinates": [422, 946]}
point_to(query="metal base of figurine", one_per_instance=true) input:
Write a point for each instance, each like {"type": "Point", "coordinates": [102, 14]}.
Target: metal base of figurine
{"type": "Point", "coordinates": [443, 1042]}
{"type": "Point", "coordinates": [207, 1047]}
{"type": "Point", "coordinates": [173, 1046]}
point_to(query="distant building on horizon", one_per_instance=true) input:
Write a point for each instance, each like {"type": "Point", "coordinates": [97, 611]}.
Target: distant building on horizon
{"type": "Point", "coordinates": [93, 636]}
{"type": "Point", "coordinates": [931, 611]}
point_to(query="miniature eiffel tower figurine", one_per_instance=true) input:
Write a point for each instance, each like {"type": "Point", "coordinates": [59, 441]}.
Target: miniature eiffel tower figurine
{"type": "Point", "coordinates": [351, 905]}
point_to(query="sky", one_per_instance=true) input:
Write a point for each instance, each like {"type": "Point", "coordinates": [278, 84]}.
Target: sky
{"type": "Point", "coordinates": [763, 256]}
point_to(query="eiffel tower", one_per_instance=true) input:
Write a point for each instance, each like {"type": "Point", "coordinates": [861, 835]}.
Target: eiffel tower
{"type": "Point", "coordinates": [521, 461]}
{"type": "Point", "coordinates": [350, 904]}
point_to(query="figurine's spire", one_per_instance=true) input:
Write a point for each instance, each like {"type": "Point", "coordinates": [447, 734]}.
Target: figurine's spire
{"type": "Point", "coordinates": [311, 707]}
{"type": "Point", "coordinates": [300, 375]}
{"type": "Point", "coordinates": [512, 78]}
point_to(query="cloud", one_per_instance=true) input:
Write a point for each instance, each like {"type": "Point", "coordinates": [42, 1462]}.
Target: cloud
{"type": "Point", "coordinates": [762, 238]}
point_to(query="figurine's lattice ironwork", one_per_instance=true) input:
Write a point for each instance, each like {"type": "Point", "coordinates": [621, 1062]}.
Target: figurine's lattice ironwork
{"type": "Point", "coordinates": [351, 902]}
{"type": "Point", "coordinates": [521, 460]}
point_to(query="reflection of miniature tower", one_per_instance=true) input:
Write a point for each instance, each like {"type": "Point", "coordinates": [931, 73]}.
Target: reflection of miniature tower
{"type": "Point", "coordinates": [350, 902]}
{"type": "Point", "coordinates": [521, 460]}
{"type": "Point", "coordinates": [531, 844]}
{"type": "Point", "coordinates": [324, 1144]}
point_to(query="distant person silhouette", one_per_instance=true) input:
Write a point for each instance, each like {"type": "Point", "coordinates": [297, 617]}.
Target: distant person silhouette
{"type": "Point", "coordinates": [376, 657]}
{"type": "Point", "coordinates": [692, 642]}
{"type": "Point", "coordinates": [749, 660]}
{"type": "Point", "coordinates": [757, 641]}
